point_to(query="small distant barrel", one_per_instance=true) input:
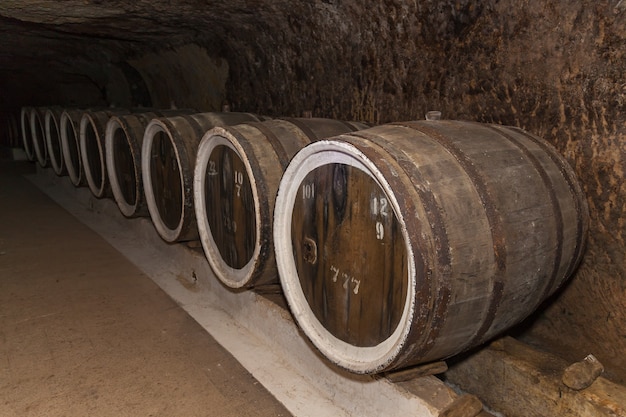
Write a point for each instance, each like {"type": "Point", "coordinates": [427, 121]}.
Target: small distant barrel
{"type": "Point", "coordinates": [38, 132]}
{"type": "Point", "coordinates": [92, 135]}
{"type": "Point", "coordinates": [27, 136]}
{"type": "Point", "coordinates": [52, 123]}
{"type": "Point", "coordinates": [123, 140]}
{"type": "Point", "coordinates": [9, 131]}
{"type": "Point", "coordinates": [168, 156]}
{"type": "Point", "coordinates": [15, 132]}
{"type": "Point", "coordinates": [6, 135]}
{"type": "Point", "coordinates": [237, 173]}
{"type": "Point", "coordinates": [70, 145]}
{"type": "Point", "coordinates": [412, 242]}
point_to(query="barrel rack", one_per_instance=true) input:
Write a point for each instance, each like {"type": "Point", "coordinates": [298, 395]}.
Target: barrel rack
{"type": "Point", "coordinates": [260, 333]}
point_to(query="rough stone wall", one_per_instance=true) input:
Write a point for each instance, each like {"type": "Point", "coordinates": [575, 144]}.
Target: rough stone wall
{"type": "Point", "coordinates": [194, 80]}
{"type": "Point", "coordinates": [556, 68]}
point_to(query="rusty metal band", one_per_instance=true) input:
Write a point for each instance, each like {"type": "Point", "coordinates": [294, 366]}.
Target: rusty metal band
{"type": "Point", "coordinates": [554, 202]}
{"type": "Point", "coordinates": [195, 125]}
{"type": "Point", "coordinates": [276, 144]}
{"type": "Point", "coordinates": [349, 125]}
{"type": "Point", "coordinates": [493, 217]}
{"type": "Point", "coordinates": [304, 128]}
{"type": "Point", "coordinates": [576, 196]}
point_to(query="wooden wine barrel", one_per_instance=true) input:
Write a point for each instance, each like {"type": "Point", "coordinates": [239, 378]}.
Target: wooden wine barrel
{"type": "Point", "coordinates": [9, 131]}
{"type": "Point", "coordinates": [6, 133]}
{"type": "Point", "coordinates": [123, 140]}
{"type": "Point", "coordinates": [168, 156]}
{"type": "Point", "coordinates": [237, 173]}
{"type": "Point", "coordinates": [37, 117]}
{"type": "Point", "coordinates": [92, 135]}
{"type": "Point", "coordinates": [409, 243]}
{"type": "Point", "coordinates": [70, 145]}
{"type": "Point", "coordinates": [52, 123]}
{"type": "Point", "coordinates": [5, 130]}
{"type": "Point", "coordinates": [27, 136]}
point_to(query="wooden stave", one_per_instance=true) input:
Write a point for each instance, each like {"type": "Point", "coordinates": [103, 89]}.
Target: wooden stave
{"type": "Point", "coordinates": [53, 140]}
{"type": "Point", "coordinates": [37, 116]}
{"type": "Point", "coordinates": [184, 133]}
{"type": "Point", "coordinates": [416, 337]}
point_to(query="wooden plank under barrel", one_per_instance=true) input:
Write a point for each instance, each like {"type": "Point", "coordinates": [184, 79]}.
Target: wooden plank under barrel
{"type": "Point", "coordinates": [409, 243]}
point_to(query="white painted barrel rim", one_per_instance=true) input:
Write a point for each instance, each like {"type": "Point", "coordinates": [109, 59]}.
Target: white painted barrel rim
{"type": "Point", "coordinates": [232, 277]}
{"type": "Point", "coordinates": [154, 127]}
{"type": "Point", "coordinates": [50, 123]}
{"type": "Point", "coordinates": [96, 189]}
{"type": "Point", "coordinates": [112, 126]}
{"type": "Point", "coordinates": [357, 359]}
{"type": "Point", "coordinates": [69, 166]}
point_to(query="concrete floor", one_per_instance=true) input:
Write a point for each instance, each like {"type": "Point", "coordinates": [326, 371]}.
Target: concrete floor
{"type": "Point", "coordinates": [83, 332]}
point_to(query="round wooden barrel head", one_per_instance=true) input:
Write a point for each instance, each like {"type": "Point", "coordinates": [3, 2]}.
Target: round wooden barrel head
{"type": "Point", "coordinates": [166, 180]}
{"type": "Point", "coordinates": [230, 206]}
{"type": "Point", "coordinates": [124, 167]}
{"type": "Point", "coordinates": [350, 254]}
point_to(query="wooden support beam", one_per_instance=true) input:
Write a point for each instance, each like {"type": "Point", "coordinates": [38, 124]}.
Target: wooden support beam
{"type": "Point", "coordinates": [519, 381]}
{"type": "Point", "coordinates": [433, 368]}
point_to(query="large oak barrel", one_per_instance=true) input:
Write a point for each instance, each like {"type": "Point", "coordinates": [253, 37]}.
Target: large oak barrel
{"type": "Point", "coordinates": [123, 140]}
{"type": "Point", "coordinates": [70, 145]}
{"type": "Point", "coordinates": [37, 117]}
{"type": "Point", "coordinates": [237, 173]}
{"type": "Point", "coordinates": [412, 242]}
{"type": "Point", "coordinates": [27, 135]}
{"type": "Point", "coordinates": [52, 123]}
{"type": "Point", "coordinates": [92, 135]}
{"type": "Point", "coordinates": [168, 157]}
